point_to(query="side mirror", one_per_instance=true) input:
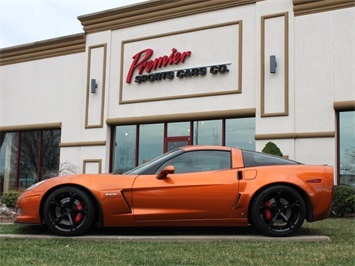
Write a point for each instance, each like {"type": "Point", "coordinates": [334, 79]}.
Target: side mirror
{"type": "Point", "coordinates": [170, 169]}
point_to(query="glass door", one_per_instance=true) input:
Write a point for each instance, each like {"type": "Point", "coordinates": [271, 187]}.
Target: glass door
{"type": "Point", "coordinates": [178, 134]}
{"type": "Point", "coordinates": [172, 143]}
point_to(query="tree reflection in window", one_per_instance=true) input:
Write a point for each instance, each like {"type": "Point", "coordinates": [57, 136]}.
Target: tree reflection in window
{"type": "Point", "coordinates": [27, 157]}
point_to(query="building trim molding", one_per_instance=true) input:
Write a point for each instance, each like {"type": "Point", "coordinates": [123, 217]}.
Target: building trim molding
{"type": "Point", "coordinates": [237, 90]}
{"type": "Point", "coordinates": [305, 7]}
{"type": "Point", "coordinates": [139, 14]}
{"type": "Point", "coordinates": [45, 126]}
{"type": "Point", "coordinates": [285, 41]}
{"type": "Point", "coordinates": [153, 11]}
{"type": "Point", "coordinates": [344, 106]}
{"type": "Point", "coordinates": [82, 144]}
{"type": "Point", "coordinates": [101, 93]}
{"type": "Point", "coordinates": [238, 113]}
{"type": "Point", "coordinates": [92, 161]}
{"type": "Point", "coordinates": [301, 135]}
{"type": "Point", "coordinates": [44, 49]}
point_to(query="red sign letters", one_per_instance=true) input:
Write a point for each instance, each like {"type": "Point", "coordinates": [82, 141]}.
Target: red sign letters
{"type": "Point", "coordinates": [142, 61]}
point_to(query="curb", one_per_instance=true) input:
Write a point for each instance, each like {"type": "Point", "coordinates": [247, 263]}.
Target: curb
{"type": "Point", "coordinates": [182, 238]}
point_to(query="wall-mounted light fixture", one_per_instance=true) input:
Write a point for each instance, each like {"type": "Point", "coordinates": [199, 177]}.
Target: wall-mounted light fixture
{"type": "Point", "coordinates": [273, 64]}
{"type": "Point", "coordinates": [93, 85]}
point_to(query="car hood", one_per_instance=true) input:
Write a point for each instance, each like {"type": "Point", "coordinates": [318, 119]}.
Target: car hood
{"type": "Point", "coordinates": [89, 181]}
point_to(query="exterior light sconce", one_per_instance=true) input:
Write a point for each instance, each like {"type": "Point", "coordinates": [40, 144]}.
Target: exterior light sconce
{"type": "Point", "coordinates": [273, 64]}
{"type": "Point", "coordinates": [93, 85]}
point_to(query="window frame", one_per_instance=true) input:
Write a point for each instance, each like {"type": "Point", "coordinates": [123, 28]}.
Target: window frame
{"type": "Point", "coordinates": [166, 137]}
{"type": "Point", "coordinates": [338, 148]}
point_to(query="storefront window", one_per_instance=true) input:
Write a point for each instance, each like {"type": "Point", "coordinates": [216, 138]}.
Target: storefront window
{"type": "Point", "coordinates": [137, 144]}
{"type": "Point", "coordinates": [347, 148]}
{"type": "Point", "coordinates": [50, 153]}
{"type": "Point", "coordinates": [27, 157]}
{"type": "Point", "coordinates": [179, 129]}
{"type": "Point", "coordinates": [8, 161]}
{"type": "Point", "coordinates": [240, 133]}
{"type": "Point", "coordinates": [151, 142]}
{"type": "Point", "coordinates": [125, 149]}
{"type": "Point", "coordinates": [208, 132]}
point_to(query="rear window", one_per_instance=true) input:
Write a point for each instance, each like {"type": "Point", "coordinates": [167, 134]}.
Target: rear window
{"type": "Point", "coordinates": [252, 158]}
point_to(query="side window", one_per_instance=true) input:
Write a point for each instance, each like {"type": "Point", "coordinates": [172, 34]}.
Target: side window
{"type": "Point", "coordinates": [199, 161]}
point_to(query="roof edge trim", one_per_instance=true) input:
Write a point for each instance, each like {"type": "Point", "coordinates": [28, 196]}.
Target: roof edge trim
{"type": "Point", "coordinates": [44, 49]}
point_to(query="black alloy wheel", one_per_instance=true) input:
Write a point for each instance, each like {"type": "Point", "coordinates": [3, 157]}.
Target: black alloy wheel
{"type": "Point", "coordinates": [278, 211]}
{"type": "Point", "coordinates": [68, 211]}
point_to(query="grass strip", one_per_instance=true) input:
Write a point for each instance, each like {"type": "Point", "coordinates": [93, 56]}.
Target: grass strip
{"type": "Point", "coordinates": [53, 251]}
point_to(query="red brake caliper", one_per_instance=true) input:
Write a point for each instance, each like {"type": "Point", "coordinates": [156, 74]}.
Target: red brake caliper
{"type": "Point", "coordinates": [268, 214]}
{"type": "Point", "coordinates": [78, 217]}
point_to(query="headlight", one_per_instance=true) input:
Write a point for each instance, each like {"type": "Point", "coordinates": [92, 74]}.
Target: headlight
{"type": "Point", "coordinates": [35, 185]}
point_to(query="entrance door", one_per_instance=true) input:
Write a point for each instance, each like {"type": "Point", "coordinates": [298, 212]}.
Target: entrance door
{"type": "Point", "coordinates": [171, 143]}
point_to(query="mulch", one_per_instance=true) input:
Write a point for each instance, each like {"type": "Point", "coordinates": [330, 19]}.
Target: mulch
{"type": "Point", "coordinates": [8, 216]}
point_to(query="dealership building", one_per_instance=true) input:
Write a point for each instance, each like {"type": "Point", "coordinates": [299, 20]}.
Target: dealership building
{"type": "Point", "coordinates": [144, 79]}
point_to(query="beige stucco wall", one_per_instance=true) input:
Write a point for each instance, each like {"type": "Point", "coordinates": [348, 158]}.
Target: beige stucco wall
{"type": "Point", "coordinates": [316, 67]}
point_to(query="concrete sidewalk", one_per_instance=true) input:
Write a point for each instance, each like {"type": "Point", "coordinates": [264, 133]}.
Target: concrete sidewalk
{"type": "Point", "coordinates": [179, 238]}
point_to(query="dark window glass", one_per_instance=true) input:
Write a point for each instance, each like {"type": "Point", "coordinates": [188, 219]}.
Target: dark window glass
{"type": "Point", "coordinates": [252, 158]}
{"type": "Point", "coordinates": [347, 148]}
{"type": "Point", "coordinates": [199, 161]}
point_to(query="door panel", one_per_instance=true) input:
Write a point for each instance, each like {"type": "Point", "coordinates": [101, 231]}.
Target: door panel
{"type": "Point", "coordinates": [199, 195]}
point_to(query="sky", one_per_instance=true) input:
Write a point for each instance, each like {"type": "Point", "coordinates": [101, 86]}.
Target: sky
{"type": "Point", "coordinates": [27, 21]}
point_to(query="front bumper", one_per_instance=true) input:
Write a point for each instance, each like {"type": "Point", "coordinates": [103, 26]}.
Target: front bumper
{"type": "Point", "coordinates": [28, 208]}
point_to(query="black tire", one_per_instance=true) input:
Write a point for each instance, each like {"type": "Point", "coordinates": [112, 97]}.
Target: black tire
{"type": "Point", "coordinates": [278, 211]}
{"type": "Point", "coordinates": [68, 211]}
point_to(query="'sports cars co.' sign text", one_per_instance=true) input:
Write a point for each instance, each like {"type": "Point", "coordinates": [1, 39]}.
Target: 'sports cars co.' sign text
{"type": "Point", "coordinates": [143, 63]}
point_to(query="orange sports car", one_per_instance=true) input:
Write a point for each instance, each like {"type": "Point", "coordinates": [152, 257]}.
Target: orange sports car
{"type": "Point", "coordinates": [189, 186]}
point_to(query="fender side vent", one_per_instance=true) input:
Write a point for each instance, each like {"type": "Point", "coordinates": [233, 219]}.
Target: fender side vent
{"type": "Point", "coordinates": [237, 201]}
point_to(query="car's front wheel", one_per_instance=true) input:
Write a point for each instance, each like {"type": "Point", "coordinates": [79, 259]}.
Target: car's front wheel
{"type": "Point", "coordinates": [278, 211]}
{"type": "Point", "coordinates": [68, 211]}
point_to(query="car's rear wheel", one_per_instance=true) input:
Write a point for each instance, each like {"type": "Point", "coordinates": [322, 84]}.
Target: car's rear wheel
{"type": "Point", "coordinates": [278, 211]}
{"type": "Point", "coordinates": [68, 211]}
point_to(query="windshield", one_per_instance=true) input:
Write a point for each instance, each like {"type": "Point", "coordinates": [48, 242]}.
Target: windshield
{"type": "Point", "coordinates": [151, 166]}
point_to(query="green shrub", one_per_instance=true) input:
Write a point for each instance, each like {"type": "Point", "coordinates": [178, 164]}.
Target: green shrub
{"type": "Point", "coordinates": [271, 148]}
{"type": "Point", "coordinates": [343, 201]}
{"type": "Point", "coordinates": [9, 198]}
